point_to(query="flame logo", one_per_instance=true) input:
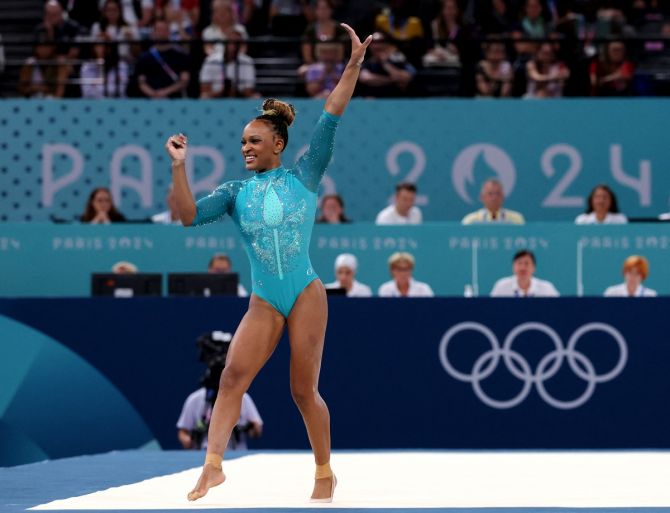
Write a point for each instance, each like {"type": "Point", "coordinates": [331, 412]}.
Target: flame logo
{"type": "Point", "coordinates": [495, 158]}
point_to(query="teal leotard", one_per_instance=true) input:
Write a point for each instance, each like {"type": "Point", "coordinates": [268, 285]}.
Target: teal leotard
{"type": "Point", "coordinates": [274, 211]}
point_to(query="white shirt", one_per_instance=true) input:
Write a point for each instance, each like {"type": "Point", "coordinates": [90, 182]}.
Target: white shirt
{"type": "Point", "coordinates": [391, 216]}
{"type": "Point", "coordinates": [214, 33]}
{"type": "Point", "coordinates": [621, 290]}
{"type": "Point", "coordinates": [358, 289]}
{"type": "Point", "coordinates": [509, 287]}
{"type": "Point", "coordinates": [242, 74]}
{"type": "Point", "coordinates": [195, 408]}
{"type": "Point", "coordinates": [164, 218]}
{"type": "Point", "coordinates": [609, 219]}
{"type": "Point", "coordinates": [416, 289]}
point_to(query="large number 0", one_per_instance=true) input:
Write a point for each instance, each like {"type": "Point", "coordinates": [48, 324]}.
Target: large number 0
{"type": "Point", "coordinates": [417, 169]}
{"type": "Point", "coordinates": [556, 197]}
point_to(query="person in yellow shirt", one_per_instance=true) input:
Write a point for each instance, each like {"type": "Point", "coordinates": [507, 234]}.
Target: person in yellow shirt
{"type": "Point", "coordinates": [492, 197]}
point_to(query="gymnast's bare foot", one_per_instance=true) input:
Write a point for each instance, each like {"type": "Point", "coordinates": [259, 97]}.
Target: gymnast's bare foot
{"type": "Point", "coordinates": [211, 476]}
{"type": "Point", "coordinates": [324, 489]}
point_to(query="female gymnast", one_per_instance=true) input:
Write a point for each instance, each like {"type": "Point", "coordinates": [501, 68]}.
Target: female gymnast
{"type": "Point", "coordinates": [274, 211]}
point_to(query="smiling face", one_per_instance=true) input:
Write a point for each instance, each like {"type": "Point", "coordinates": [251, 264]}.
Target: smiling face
{"type": "Point", "coordinates": [260, 146]}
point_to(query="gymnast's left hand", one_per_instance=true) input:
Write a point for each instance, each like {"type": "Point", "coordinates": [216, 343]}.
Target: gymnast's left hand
{"type": "Point", "coordinates": [357, 48]}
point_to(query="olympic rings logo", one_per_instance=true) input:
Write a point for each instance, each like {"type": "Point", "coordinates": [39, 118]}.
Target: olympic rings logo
{"type": "Point", "coordinates": [547, 367]}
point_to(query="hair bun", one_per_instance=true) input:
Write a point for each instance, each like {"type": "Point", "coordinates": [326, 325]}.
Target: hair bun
{"type": "Point", "coordinates": [280, 109]}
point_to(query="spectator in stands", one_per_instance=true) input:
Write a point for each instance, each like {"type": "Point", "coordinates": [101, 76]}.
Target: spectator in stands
{"type": "Point", "coordinates": [138, 14]}
{"type": "Point", "coordinates": [322, 76]}
{"type": "Point", "coordinates": [113, 27]}
{"type": "Point", "coordinates": [232, 74]}
{"type": "Point", "coordinates": [610, 19]}
{"type": "Point", "coordinates": [224, 23]}
{"type": "Point", "coordinates": [55, 27]}
{"type": "Point", "coordinates": [612, 74]}
{"type": "Point", "coordinates": [171, 215]}
{"type": "Point", "coordinates": [535, 22]}
{"type": "Point", "coordinates": [403, 284]}
{"type": "Point", "coordinates": [497, 18]}
{"type": "Point", "coordinates": [635, 271]}
{"type": "Point", "coordinates": [494, 73]}
{"type": "Point", "coordinates": [100, 208]}
{"type": "Point", "coordinates": [124, 267]}
{"type": "Point", "coordinates": [602, 208]}
{"type": "Point", "coordinates": [449, 37]}
{"type": "Point", "coordinates": [2, 56]}
{"type": "Point", "coordinates": [324, 28]}
{"type": "Point", "coordinates": [162, 72]}
{"type": "Point", "coordinates": [106, 75]}
{"type": "Point", "coordinates": [545, 75]}
{"type": "Point", "coordinates": [386, 73]}
{"type": "Point", "coordinates": [42, 75]}
{"type": "Point", "coordinates": [193, 423]}
{"type": "Point", "coordinates": [346, 267]}
{"type": "Point", "coordinates": [403, 210]}
{"type": "Point", "coordinates": [492, 196]}
{"type": "Point", "coordinates": [288, 17]}
{"type": "Point", "coordinates": [523, 283]}
{"type": "Point", "coordinates": [220, 263]}
{"type": "Point", "coordinates": [83, 12]}
{"type": "Point", "coordinates": [332, 210]}
{"type": "Point", "coordinates": [184, 15]}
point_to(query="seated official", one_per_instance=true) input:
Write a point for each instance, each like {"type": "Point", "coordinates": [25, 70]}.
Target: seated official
{"type": "Point", "coordinates": [602, 208]}
{"type": "Point", "coordinates": [635, 271]}
{"type": "Point", "coordinates": [492, 197]}
{"type": "Point", "coordinates": [346, 266]}
{"type": "Point", "coordinates": [403, 210]}
{"type": "Point", "coordinates": [401, 266]}
{"type": "Point", "coordinates": [221, 264]}
{"type": "Point", "coordinates": [523, 283]}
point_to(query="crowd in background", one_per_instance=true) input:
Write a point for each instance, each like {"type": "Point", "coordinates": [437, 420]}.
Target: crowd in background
{"type": "Point", "coordinates": [487, 48]}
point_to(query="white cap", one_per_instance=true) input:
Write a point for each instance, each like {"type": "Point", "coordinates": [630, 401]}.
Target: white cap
{"type": "Point", "coordinates": [346, 260]}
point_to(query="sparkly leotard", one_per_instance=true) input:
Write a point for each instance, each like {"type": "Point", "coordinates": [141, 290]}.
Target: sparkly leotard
{"type": "Point", "coordinates": [274, 211]}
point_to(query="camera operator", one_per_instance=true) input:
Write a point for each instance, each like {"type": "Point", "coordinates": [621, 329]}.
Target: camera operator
{"type": "Point", "coordinates": [193, 422]}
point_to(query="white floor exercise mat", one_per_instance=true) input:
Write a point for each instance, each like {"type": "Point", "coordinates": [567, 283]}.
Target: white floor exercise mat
{"type": "Point", "coordinates": [410, 480]}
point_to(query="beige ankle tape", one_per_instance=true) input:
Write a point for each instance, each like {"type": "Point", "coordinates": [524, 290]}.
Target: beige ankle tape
{"type": "Point", "coordinates": [323, 471]}
{"type": "Point", "coordinates": [214, 460]}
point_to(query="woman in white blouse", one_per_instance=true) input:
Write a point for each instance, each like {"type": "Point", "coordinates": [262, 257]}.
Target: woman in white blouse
{"type": "Point", "coordinates": [602, 208]}
{"type": "Point", "coordinates": [401, 265]}
{"type": "Point", "coordinates": [635, 271]}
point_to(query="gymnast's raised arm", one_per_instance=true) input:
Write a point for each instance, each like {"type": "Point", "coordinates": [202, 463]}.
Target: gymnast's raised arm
{"type": "Point", "coordinates": [339, 98]}
{"type": "Point", "coordinates": [176, 147]}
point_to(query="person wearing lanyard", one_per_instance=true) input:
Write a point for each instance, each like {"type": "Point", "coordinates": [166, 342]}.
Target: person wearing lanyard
{"type": "Point", "coordinates": [635, 271]}
{"type": "Point", "coordinates": [492, 197]}
{"type": "Point", "coordinates": [523, 283]}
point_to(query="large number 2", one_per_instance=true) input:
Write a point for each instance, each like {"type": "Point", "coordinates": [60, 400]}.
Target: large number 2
{"type": "Point", "coordinates": [417, 169]}
{"type": "Point", "coordinates": [555, 197]}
